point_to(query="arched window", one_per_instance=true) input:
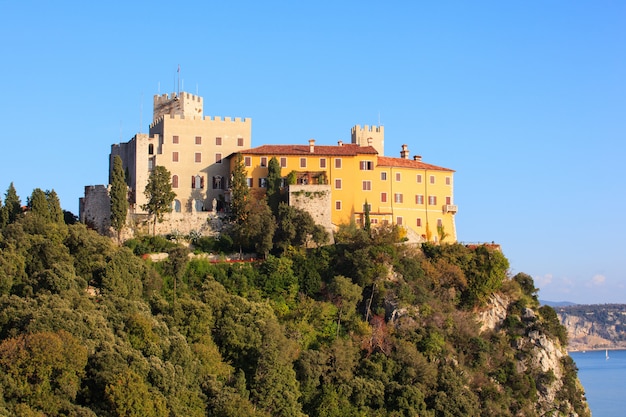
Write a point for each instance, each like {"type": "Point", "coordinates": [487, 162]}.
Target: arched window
{"type": "Point", "coordinates": [197, 182]}
{"type": "Point", "coordinates": [199, 205]}
{"type": "Point", "coordinates": [217, 183]}
{"type": "Point", "coordinates": [151, 149]}
{"type": "Point", "coordinates": [177, 206]}
{"type": "Point", "coordinates": [174, 181]}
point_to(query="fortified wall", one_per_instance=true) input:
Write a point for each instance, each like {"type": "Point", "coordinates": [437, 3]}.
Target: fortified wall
{"type": "Point", "coordinates": [314, 199]}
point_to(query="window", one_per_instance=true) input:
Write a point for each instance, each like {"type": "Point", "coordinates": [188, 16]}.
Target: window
{"type": "Point", "coordinates": [302, 162]}
{"type": "Point", "coordinates": [198, 140]}
{"type": "Point", "coordinates": [150, 164]}
{"type": "Point", "coordinates": [338, 183]}
{"type": "Point", "coordinates": [218, 158]}
{"type": "Point", "coordinates": [283, 162]}
{"type": "Point", "coordinates": [398, 176]}
{"type": "Point", "coordinates": [367, 186]}
{"type": "Point", "coordinates": [197, 182]}
{"type": "Point", "coordinates": [250, 182]}
{"type": "Point", "coordinates": [177, 206]}
{"type": "Point", "coordinates": [374, 221]}
{"type": "Point", "coordinates": [338, 205]}
{"type": "Point", "coordinates": [322, 162]}
{"type": "Point", "coordinates": [367, 207]}
{"type": "Point", "coordinates": [448, 180]}
{"type": "Point", "coordinates": [198, 157]}
{"type": "Point", "coordinates": [150, 149]}
{"type": "Point", "coordinates": [383, 176]}
{"type": "Point", "coordinates": [174, 156]}
{"type": "Point", "coordinates": [239, 141]}
{"type": "Point", "coordinates": [439, 223]}
{"type": "Point", "coordinates": [448, 200]}
{"type": "Point", "coordinates": [399, 221]}
{"type": "Point", "coordinates": [218, 183]}
{"type": "Point", "coordinates": [366, 165]}
{"type": "Point", "coordinates": [398, 197]}
{"type": "Point", "coordinates": [175, 139]}
{"type": "Point", "coordinates": [432, 200]}
{"type": "Point", "coordinates": [263, 182]}
{"type": "Point", "coordinates": [264, 161]}
{"type": "Point", "coordinates": [174, 181]}
{"type": "Point", "coordinates": [432, 179]}
{"type": "Point", "coordinates": [337, 162]}
{"type": "Point", "coordinates": [419, 199]}
{"type": "Point", "coordinates": [218, 141]}
{"type": "Point", "coordinates": [247, 161]}
{"type": "Point", "coordinates": [383, 197]}
{"type": "Point", "coordinates": [418, 222]}
{"type": "Point", "coordinates": [419, 178]}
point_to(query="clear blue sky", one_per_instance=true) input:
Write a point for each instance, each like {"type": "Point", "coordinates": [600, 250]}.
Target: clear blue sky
{"type": "Point", "coordinates": [525, 100]}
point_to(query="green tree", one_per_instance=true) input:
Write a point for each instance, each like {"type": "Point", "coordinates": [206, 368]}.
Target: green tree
{"type": "Point", "coordinates": [273, 184]}
{"type": "Point", "coordinates": [239, 191]}
{"type": "Point", "coordinates": [345, 295]}
{"type": "Point", "coordinates": [12, 207]}
{"type": "Point", "coordinates": [119, 197]}
{"type": "Point", "coordinates": [54, 207]}
{"type": "Point", "coordinates": [38, 204]}
{"type": "Point", "coordinates": [368, 223]}
{"type": "Point", "coordinates": [159, 194]}
{"type": "Point", "coordinates": [258, 229]}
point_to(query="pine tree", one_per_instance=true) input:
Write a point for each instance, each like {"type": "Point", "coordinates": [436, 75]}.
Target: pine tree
{"type": "Point", "coordinates": [159, 194]}
{"type": "Point", "coordinates": [54, 207]}
{"type": "Point", "coordinates": [12, 205]}
{"type": "Point", "coordinates": [119, 200]}
{"type": "Point", "coordinates": [38, 204]}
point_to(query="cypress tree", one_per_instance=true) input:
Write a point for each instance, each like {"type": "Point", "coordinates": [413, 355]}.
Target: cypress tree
{"type": "Point", "coordinates": [119, 200]}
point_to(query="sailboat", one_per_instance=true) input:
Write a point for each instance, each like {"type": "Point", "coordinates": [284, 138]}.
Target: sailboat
{"type": "Point", "coordinates": [607, 354]}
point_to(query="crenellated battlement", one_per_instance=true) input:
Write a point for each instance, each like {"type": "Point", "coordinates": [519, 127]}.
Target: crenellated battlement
{"type": "Point", "coordinates": [166, 98]}
{"type": "Point", "coordinates": [367, 128]}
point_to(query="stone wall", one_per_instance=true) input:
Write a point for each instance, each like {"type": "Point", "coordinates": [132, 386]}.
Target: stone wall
{"type": "Point", "coordinates": [316, 200]}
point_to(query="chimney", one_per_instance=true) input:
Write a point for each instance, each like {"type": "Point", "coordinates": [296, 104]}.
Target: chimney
{"type": "Point", "coordinates": [312, 145]}
{"type": "Point", "coordinates": [417, 158]}
{"type": "Point", "coordinates": [339, 143]}
{"type": "Point", "coordinates": [404, 154]}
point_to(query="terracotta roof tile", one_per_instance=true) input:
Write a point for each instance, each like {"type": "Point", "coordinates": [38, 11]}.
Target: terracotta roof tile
{"type": "Point", "coordinates": [386, 161]}
{"type": "Point", "coordinates": [348, 149]}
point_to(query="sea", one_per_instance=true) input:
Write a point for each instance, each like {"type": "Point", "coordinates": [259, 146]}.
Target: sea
{"type": "Point", "coordinates": [604, 381]}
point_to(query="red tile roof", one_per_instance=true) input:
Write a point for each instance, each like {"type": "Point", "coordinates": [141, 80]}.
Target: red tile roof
{"type": "Point", "coordinates": [385, 161]}
{"type": "Point", "coordinates": [347, 149]}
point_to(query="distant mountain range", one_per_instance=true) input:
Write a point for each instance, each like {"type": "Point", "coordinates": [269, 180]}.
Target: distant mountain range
{"type": "Point", "coordinates": [556, 303]}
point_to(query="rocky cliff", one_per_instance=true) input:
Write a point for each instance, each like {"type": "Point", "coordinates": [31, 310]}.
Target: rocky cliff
{"type": "Point", "coordinates": [537, 351]}
{"type": "Point", "coordinates": [599, 326]}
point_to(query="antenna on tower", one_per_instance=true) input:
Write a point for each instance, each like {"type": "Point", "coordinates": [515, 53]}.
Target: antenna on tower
{"type": "Point", "coordinates": [141, 113]}
{"type": "Point", "coordinates": [178, 91]}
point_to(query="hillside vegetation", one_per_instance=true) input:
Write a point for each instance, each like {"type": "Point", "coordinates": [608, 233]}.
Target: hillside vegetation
{"type": "Point", "coordinates": [364, 327]}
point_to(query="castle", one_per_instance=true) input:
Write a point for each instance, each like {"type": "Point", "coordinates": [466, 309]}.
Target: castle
{"type": "Point", "coordinates": [339, 180]}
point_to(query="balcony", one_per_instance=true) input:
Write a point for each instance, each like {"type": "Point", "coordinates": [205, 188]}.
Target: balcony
{"type": "Point", "coordinates": [450, 208]}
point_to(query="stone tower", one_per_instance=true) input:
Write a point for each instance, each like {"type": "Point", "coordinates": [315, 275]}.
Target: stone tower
{"type": "Point", "coordinates": [369, 136]}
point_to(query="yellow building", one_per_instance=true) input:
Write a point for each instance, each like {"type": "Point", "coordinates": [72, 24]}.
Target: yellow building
{"type": "Point", "coordinates": [401, 191]}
